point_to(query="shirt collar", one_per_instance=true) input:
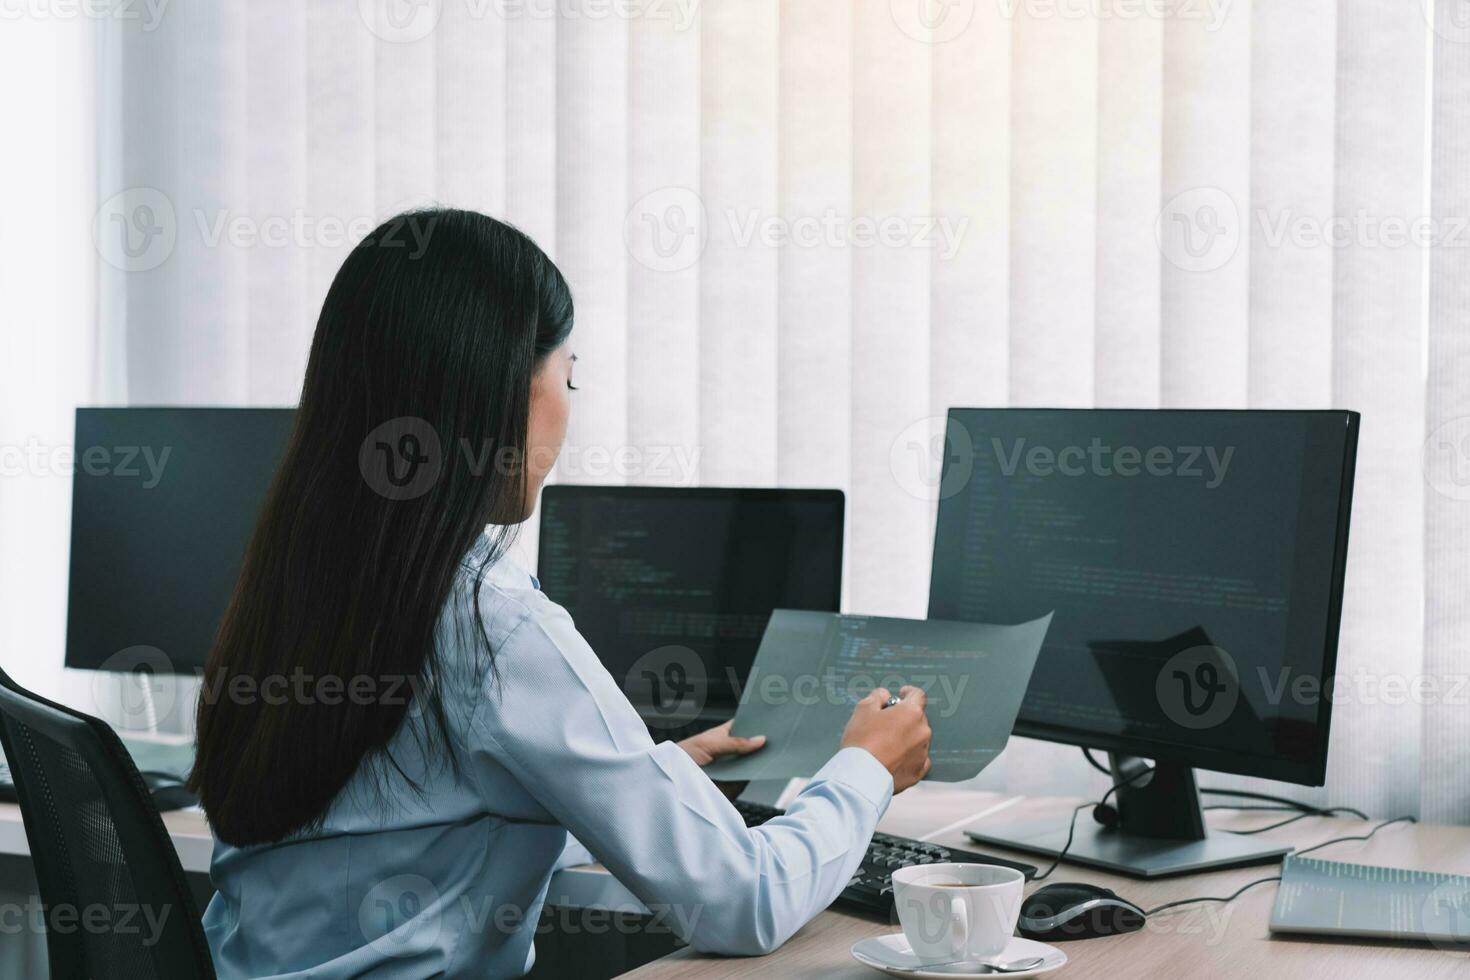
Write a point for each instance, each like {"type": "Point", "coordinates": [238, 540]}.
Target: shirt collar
{"type": "Point", "coordinates": [505, 572]}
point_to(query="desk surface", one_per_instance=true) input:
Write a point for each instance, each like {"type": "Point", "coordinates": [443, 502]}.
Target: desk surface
{"type": "Point", "coordinates": [1209, 940]}
{"type": "Point", "coordinates": [1197, 941]}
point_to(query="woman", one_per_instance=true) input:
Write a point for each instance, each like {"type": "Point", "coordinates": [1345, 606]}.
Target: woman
{"type": "Point", "coordinates": [399, 730]}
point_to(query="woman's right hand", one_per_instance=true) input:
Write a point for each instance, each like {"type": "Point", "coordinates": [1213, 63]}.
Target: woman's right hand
{"type": "Point", "coordinates": [898, 737]}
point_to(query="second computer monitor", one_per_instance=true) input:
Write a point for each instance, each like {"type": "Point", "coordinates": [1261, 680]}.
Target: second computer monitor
{"type": "Point", "coordinates": [644, 569]}
{"type": "Point", "coordinates": [1193, 560]}
{"type": "Point", "coordinates": [163, 504]}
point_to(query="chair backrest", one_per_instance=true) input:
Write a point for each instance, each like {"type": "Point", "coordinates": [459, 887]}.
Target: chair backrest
{"type": "Point", "coordinates": [115, 899]}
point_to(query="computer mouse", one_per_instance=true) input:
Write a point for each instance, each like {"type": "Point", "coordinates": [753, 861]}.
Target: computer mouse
{"type": "Point", "coordinates": [168, 792]}
{"type": "Point", "coordinates": [1065, 911]}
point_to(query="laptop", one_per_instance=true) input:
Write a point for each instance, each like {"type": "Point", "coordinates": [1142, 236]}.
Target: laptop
{"type": "Point", "coordinates": [673, 586]}
{"type": "Point", "coordinates": [1332, 898]}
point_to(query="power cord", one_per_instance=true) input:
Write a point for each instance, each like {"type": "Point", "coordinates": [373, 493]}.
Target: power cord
{"type": "Point", "coordinates": [1305, 809]}
{"type": "Point", "coordinates": [1328, 812]}
{"type": "Point", "coordinates": [1072, 827]}
{"type": "Point", "coordinates": [1344, 840]}
{"type": "Point", "coordinates": [1268, 802]}
{"type": "Point", "coordinates": [1094, 763]}
{"type": "Point", "coordinates": [1261, 881]}
{"type": "Point", "coordinates": [1234, 807]}
{"type": "Point", "coordinates": [1224, 898]}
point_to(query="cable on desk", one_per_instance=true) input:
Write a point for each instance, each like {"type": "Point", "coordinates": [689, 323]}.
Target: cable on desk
{"type": "Point", "coordinates": [1302, 810]}
{"type": "Point", "coordinates": [1369, 834]}
{"type": "Point", "coordinates": [1261, 881]}
{"type": "Point", "coordinates": [1072, 828]}
{"type": "Point", "coordinates": [1224, 898]}
{"type": "Point", "coordinates": [1328, 812]}
{"type": "Point", "coordinates": [1293, 804]}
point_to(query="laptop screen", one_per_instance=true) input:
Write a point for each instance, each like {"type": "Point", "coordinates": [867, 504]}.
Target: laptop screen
{"type": "Point", "coordinates": [680, 582]}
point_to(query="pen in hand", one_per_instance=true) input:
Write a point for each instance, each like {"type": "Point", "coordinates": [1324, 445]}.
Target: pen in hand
{"type": "Point", "coordinates": [897, 738]}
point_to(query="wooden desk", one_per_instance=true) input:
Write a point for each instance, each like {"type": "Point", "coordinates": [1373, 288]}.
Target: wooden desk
{"type": "Point", "coordinates": [1209, 940]}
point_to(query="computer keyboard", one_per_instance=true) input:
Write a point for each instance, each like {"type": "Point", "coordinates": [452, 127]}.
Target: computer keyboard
{"type": "Point", "coordinates": [871, 887]}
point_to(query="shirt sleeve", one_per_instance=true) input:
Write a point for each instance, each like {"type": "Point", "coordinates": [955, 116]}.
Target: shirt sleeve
{"type": "Point", "coordinates": [554, 717]}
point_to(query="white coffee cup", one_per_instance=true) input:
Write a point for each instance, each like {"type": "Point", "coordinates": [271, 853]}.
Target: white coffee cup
{"type": "Point", "coordinates": [957, 911]}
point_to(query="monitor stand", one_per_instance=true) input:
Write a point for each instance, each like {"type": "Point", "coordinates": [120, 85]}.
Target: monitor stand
{"type": "Point", "coordinates": [1160, 829]}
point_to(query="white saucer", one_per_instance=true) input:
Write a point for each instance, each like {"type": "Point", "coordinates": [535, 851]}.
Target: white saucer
{"type": "Point", "coordinates": [893, 955]}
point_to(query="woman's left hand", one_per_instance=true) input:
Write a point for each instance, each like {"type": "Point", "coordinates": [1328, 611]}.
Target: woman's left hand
{"type": "Point", "coordinates": [716, 743]}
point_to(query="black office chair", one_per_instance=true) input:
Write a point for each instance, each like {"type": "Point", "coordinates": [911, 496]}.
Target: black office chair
{"type": "Point", "coordinates": [97, 842]}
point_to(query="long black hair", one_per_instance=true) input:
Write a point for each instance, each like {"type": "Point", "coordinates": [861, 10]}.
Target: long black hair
{"type": "Point", "coordinates": [411, 437]}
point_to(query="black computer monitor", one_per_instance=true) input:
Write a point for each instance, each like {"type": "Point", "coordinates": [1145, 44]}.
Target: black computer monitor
{"type": "Point", "coordinates": [163, 504]}
{"type": "Point", "coordinates": [1194, 561]}
{"type": "Point", "coordinates": [644, 569]}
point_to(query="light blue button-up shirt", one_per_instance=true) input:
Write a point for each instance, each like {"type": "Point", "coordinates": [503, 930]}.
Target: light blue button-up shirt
{"type": "Point", "coordinates": [449, 880]}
